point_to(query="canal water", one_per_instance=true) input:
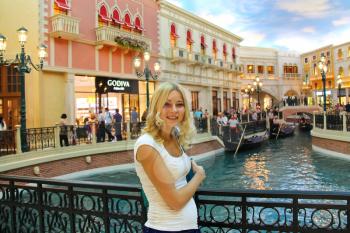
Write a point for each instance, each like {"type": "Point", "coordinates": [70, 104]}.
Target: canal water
{"type": "Point", "coordinates": [283, 164]}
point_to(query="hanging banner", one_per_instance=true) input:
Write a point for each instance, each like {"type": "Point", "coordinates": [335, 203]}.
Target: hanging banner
{"type": "Point", "coordinates": [107, 84]}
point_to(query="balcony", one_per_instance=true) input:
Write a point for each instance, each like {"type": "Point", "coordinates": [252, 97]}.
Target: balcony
{"type": "Point", "coordinates": [65, 27]}
{"type": "Point", "coordinates": [291, 76]}
{"type": "Point", "coordinates": [178, 55]}
{"type": "Point", "coordinates": [106, 35]}
{"type": "Point", "coordinates": [219, 64]}
{"type": "Point", "coordinates": [194, 58]}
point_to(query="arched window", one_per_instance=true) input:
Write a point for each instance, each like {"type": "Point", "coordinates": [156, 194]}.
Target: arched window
{"type": "Point", "coordinates": [224, 52]}
{"type": "Point", "coordinates": [173, 35]}
{"type": "Point", "coordinates": [103, 15]}
{"type": "Point", "coordinates": [295, 69]}
{"type": "Point", "coordinates": [61, 7]}
{"type": "Point", "coordinates": [138, 24]}
{"type": "Point", "coordinates": [341, 71]}
{"type": "Point", "coordinates": [189, 41]}
{"type": "Point", "coordinates": [315, 69]}
{"type": "Point", "coordinates": [233, 54]}
{"type": "Point", "coordinates": [128, 23]}
{"type": "Point", "coordinates": [340, 53]}
{"type": "Point", "coordinates": [215, 49]}
{"type": "Point", "coordinates": [116, 20]}
{"type": "Point", "coordinates": [203, 45]}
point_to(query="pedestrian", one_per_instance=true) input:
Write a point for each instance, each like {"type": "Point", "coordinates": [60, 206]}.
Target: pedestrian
{"type": "Point", "coordinates": [134, 119]}
{"type": "Point", "coordinates": [63, 130]}
{"type": "Point", "coordinates": [162, 165]}
{"type": "Point", "coordinates": [101, 127]}
{"type": "Point", "coordinates": [2, 124]}
{"type": "Point", "coordinates": [108, 124]}
{"type": "Point", "coordinates": [118, 119]}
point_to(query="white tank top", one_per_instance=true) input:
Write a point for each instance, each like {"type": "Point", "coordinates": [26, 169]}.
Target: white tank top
{"type": "Point", "coordinates": [160, 216]}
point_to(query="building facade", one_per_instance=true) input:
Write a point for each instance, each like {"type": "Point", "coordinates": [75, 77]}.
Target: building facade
{"type": "Point", "coordinates": [278, 72]}
{"type": "Point", "coordinates": [201, 56]}
{"type": "Point", "coordinates": [338, 62]}
{"type": "Point", "coordinates": [91, 47]}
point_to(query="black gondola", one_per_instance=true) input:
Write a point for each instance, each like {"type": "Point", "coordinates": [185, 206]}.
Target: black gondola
{"type": "Point", "coordinates": [305, 124]}
{"type": "Point", "coordinates": [231, 138]}
{"type": "Point", "coordinates": [285, 131]}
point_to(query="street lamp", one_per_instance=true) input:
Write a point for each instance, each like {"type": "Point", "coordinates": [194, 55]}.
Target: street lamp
{"type": "Point", "coordinates": [339, 81]}
{"type": "Point", "coordinates": [23, 64]}
{"type": "Point", "coordinates": [249, 90]}
{"type": "Point", "coordinates": [258, 86]}
{"type": "Point", "coordinates": [323, 68]}
{"type": "Point", "coordinates": [146, 72]}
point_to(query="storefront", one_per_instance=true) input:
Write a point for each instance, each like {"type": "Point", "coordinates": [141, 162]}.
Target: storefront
{"type": "Point", "coordinates": [93, 94]}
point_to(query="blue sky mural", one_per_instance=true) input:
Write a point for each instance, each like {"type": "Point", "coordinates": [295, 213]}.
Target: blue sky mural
{"type": "Point", "coordinates": [296, 25]}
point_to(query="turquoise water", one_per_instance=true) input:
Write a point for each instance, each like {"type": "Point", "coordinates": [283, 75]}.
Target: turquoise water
{"type": "Point", "coordinates": [284, 164]}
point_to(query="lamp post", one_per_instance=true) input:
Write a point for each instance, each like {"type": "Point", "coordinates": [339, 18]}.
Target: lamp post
{"type": "Point", "coordinates": [146, 72]}
{"type": "Point", "coordinates": [23, 64]}
{"type": "Point", "coordinates": [258, 86]}
{"type": "Point", "coordinates": [249, 90]}
{"type": "Point", "coordinates": [339, 81]}
{"type": "Point", "coordinates": [323, 68]}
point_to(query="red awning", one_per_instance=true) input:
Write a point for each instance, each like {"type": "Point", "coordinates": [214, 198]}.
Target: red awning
{"type": "Point", "coordinates": [104, 13]}
{"type": "Point", "coordinates": [127, 21]}
{"type": "Point", "coordinates": [116, 17]}
{"type": "Point", "coordinates": [189, 37]}
{"type": "Point", "coordinates": [62, 4]}
{"type": "Point", "coordinates": [203, 42]}
{"type": "Point", "coordinates": [138, 24]}
{"type": "Point", "coordinates": [173, 31]}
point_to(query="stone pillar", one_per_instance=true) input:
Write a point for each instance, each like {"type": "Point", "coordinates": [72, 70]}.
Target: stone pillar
{"type": "Point", "coordinates": [18, 139]}
{"type": "Point", "coordinates": [70, 99]}
{"type": "Point", "coordinates": [128, 133]}
{"type": "Point", "coordinates": [208, 124]}
{"type": "Point", "coordinates": [324, 120]}
{"type": "Point", "coordinates": [221, 94]}
{"type": "Point", "coordinates": [210, 100]}
{"type": "Point", "coordinates": [347, 99]}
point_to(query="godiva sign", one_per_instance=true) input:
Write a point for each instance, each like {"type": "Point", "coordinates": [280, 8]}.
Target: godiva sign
{"type": "Point", "coordinates": [106, 84]}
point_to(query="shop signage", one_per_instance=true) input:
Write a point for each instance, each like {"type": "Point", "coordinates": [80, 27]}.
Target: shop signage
{"type": "Point", "coordinates": [106, 84]}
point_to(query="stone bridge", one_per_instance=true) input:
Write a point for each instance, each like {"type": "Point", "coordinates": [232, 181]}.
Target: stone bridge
{"type": "Point", "coordinates": [291, 110]}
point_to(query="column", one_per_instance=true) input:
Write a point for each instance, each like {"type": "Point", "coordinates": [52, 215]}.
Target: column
{"type": "Point", "coordinates": [70, 99]}
{"type": "Point", "coordinates": [347, 93]}
{"type": "Point", "coordinates": [210, 100]}
{"type": "Point", "coordinates": [221, 94]}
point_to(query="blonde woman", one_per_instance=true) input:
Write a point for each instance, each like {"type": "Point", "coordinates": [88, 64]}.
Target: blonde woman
{"type": "Point", "coordinates": [162, 165]}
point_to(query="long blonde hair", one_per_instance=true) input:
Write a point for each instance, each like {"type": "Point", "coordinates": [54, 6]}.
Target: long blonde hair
{"type": "Point", "coordinates": [154, 123]}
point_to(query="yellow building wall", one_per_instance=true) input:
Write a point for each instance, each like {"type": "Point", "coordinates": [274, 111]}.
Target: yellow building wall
{"type": "Point", "coordinates": [13, 15]}
{"type": "Point", "coordinates": [53, 88]}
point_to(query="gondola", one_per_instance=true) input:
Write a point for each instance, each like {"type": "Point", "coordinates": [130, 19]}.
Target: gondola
{"type": "Point", "coordinates": [305, 125]}
{"type": "Point", "coordinates": [231, 139]}
{"type": "Point", "coordinates": [285, 131]}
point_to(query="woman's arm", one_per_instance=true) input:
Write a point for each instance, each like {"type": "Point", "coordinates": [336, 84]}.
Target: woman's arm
{"type": "Point", "coordinates": [163, 180]}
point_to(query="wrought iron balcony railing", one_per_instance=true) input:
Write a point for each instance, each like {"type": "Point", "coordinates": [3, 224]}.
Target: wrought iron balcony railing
{"type": "Point", "coordinates": [44, 205]}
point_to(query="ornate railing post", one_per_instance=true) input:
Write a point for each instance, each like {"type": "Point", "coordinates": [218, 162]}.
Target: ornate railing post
{"type": "Point", "coordinates": [57, 135]}
{"type": "Point", "coordinates": [18, 139]}
{"type": "Point", "coordinates": [324, 120]}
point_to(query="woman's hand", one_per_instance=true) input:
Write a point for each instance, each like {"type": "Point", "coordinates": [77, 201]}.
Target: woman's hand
{"type": "Point", "coordinates": [198, 170]}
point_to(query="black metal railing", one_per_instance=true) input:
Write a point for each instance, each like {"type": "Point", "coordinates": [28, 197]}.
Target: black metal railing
{"type": "Point", "coordinates": [41, 138]}
{"type": "Point", "coordinates": [7, 142]}
{"type": "Point", "coordinates": [44, 205]}
{"type": "Point", "coordinates": [319, 121]}
{"type": "Point", "coordinates": [347, 122]}
{"type": "Point", "coordinates": [334, 122]}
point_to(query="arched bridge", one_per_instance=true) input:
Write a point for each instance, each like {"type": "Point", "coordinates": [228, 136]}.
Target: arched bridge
{"type": "Point", "coordinates": [292, 110]}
